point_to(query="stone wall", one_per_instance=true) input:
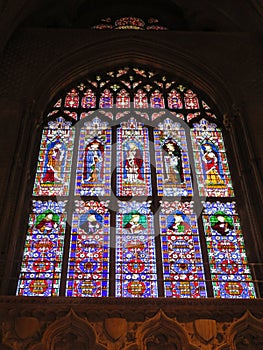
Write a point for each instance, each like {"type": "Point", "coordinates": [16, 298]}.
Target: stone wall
{"type": "Point", "coordinates": [66, 323]}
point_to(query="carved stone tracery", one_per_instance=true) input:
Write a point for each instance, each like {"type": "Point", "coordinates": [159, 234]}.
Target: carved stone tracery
{"type": "Point", "coordinates": [133, 327]}
{"type": "Point", "coordinates": [70, 332]}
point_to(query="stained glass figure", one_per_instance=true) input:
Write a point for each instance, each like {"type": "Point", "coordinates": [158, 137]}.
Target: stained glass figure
{"type": "Point", "coordinates": [157, 100]}
{"type": "Point", "coordinates": [72, 99]}
{"type": "Point", "coordinates": [210, 161]}
{"type": "Point", "coordinates": [133, 161]}
{"type": "Point", "coordinates": [135, 251]}
{"type": "Point", "coordinates": [89, 99]}
{"type": "Point", "coordinates": [106, 99]}
{"type": "Point", "coordinates": [181, 251]}
{"type": "Point", "coordinates": [54, 162]}
{"type": "Point", "coordinates": [42, 261]}
{"type": "Point", "coordinates": [88, 267]}
{"type": "Point", "coordinates": [172, 163]}
{"type": "Point", "coordinates": [123, 99]}
{"type": "Point", "coordinates": [174, 100]}
{"type": "Point", "coordinates": [190, 100]}
{"type": "Point", "coordinates": [181, 274]}
{"type": "Point", "coordinates": [231, 277]}
{"type": "Point", "coordinates": [93, 173]}
{"type": "Point", "coordinates": [140, 99]}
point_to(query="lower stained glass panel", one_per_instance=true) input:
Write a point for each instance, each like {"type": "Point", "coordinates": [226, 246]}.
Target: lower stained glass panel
{"type": "Point", "coordinates": [231, 277]}
{"type": "Point", "coordinates": [88, 267]}
{"type": "Point", "coordinates": [135, 252]}
{"type": "Point", "coordinates": [181, 252]}
{"type": "Point", "coordinates": [41, 266]}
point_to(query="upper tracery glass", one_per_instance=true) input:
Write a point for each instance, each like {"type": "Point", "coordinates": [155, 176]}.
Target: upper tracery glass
{"type": "Point", "coordinates": [129, 22]}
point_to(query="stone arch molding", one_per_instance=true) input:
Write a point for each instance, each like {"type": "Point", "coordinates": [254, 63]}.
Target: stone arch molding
{"type": "Point", "coordinates": [70, 332]}
{"type": "Point", "coordinates": [246, 333]}
{"type": "Point", "coordinates": [113, 52]}
{"type": "Point", "coordinates": [162, 328]}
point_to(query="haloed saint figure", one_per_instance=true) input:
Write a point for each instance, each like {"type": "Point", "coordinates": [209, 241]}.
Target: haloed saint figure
{"type": "Point", "coordinates": [135, 222]}
{"type": "Point", "coordinates": [173, 162]}
{"type": "Point", "coordinates": [54, 162]}
{"type": "Point", "coordinates": [178, 222]}
{"type": "Point", "coordinates": [222, 223]}
{"type": "Point", "coordinates": [91, 222]}
{"type": "Point", "coordinates": [133, 163]}
{"type": "Point", "coordinates": [47, 221]}
{"type": "Point", "coordinates": [211, 164]}
{"type": "Point", "coordinates": [93, 161]}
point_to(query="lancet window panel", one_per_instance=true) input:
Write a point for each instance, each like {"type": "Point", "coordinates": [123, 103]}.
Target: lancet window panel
{"type": "Point", "coordinates": [55, 158]}
{"type": "Point", "coordinates": [43, 253]}
{"type": "Point", "coordinates": [212, 169]}
{"type": "Point", "coordinates": [172, 162]}
{"type": "Point", "coordinates": [93, 173]}
{"type": "Point", "coordinates": [135, 251]}
{"type": "Point", "coordinates": [183, 267]}
{"type": "Point", "coordinates": [88, 266]}
{"type": "Point", "coordinates": [231, 276]}
{"type": "Point", "coordinates": [125, 159]}
{"type": "Point", "coordinates": [133, 160]}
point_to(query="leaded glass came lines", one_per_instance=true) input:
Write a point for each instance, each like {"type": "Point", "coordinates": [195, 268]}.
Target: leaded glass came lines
{"type": "Point", "coordinates": [126, 159]}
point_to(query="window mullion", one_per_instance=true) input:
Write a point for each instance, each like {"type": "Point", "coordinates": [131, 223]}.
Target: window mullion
{"type": "Point", "coordinates": [70, 209]}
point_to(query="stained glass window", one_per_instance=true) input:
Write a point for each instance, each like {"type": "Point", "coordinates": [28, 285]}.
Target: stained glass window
{"type": "Point", "coordinates": [106, 99]}
{"type": "Point", "coordinates": [135, 251]}
{"type": "Point", "coordinates": [116, 204]}
{"type": "Point", "coordinates": [157, 100]}
{"type": "Point", "coordinates": [133, 160]}
{"type": "Point", "coordinates": [231, 277]}
{"type": "Point", "coordinates": [191, 100]}
{"type": "Point", "coordinates": [174, 100]}
{"type": "Point", "coordinates": [129, 23]}
{"type": "Point", "coordinates": [54, 161]}
{"type": "Point", "coordinates": [213, 175]}
{"type": "Point", "coordinates": [93, 173]}
{"type": "Point", "coordinates": [43, 254]}
{"type": "Point", "coordinates": [88, 267]}
{"type": "Point", "coordinates": [172, 163]}
{"type": "Point", "coordinates": [88, 100]}
{"type": "Point", "coordinates": [72, 99]}
{"type": "Point", "coordinates": [183, 268]}
{"type": "Point", "coordinates": [140, 99]}
{"type": "Point", "coordinates": [123, 99]}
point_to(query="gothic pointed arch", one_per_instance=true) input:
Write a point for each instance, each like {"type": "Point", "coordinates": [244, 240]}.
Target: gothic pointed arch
{"type": "Point", "coordinates": [163, 152]}
{"type": "Point", "coordinates": [70, 332]}
{"type": "Point", "coordinates": [246, 333]}
{"type": "Point", "coordinates": [163, 331]}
